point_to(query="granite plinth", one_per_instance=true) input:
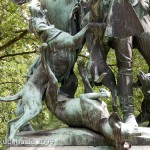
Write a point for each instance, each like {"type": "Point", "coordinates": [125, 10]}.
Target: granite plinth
{"type": "Point", "coordinates": [73, 138]}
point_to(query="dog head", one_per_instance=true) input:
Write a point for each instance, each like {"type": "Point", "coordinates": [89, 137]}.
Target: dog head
{"type": "Point", "coordinates": [145, 81]}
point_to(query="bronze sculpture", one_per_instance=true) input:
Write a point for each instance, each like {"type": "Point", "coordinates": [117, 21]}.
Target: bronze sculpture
{"type": "Point", "coordinates": [141, 43]}
{"type": "Point", "coordinates": [58, 56]}
{"type": "Point", "coordinates": [32, 102]}
{"type": "Point", "coordinates": [123, 51]}
{"type": "Point", "coordinates": [123, 48]}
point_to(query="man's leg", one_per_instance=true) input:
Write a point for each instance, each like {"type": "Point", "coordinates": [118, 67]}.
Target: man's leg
{"type": "Point", "coordinates": [123, 49]}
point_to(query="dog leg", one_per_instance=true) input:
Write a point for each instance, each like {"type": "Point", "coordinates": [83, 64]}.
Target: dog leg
{"type": "Point", "coordinates": [19, 111]}
{"type": "Point", "coordinates": [29, 114]}
{"type": "Point", "coordinates": [8, 133]}
{"type": "Point", "coordinates": [32, 101]}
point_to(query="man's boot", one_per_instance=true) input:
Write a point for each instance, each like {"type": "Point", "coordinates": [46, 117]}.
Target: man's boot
{"type": "Point", "coordinates": [125, 94]}
{"type": "Point", "coordinates": [126, 103]}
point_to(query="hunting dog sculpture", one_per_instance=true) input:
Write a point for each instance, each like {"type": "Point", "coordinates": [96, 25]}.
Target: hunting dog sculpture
{"type": "Point", "coordinates": [32, 93]}
{"type": "Point", "coordinates": [50, 75]}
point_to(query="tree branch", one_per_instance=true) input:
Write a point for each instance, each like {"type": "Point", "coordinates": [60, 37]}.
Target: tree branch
{"type": "Point", "coordinates": [18, 31]}
{"type": "Point", "coordinates": [81, 55]}
{"type": "Point", "coordinates": [17, 38]}
{"type": "Point", "coordinates": [23, 53]}
{"type": "Point", "coordinates": [10, 83]}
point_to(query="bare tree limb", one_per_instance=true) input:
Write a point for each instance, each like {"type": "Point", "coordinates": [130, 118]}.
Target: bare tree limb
{"type": "Point", "coordinates": [16, 54]}
{"type": "Point", "coordinates": [10, 83]}
{"type": "Point", "coordinates": [111, 65]}
{"type": "Point", "coordinates": [17, 38]}
{"type": "Point", "coordinates": [81, 55]}
{"type": "Point", "coordinates": [19, 31]}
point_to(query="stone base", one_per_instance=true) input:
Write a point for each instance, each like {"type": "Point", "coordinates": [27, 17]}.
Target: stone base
{"type": "Point", "coordinates": [77, 148]}
{"type": "Point", "coordinates": [73, 138]}
{"type": "Point", "coordinates": [65, 148]}
{"type": "Point", "coordinates": [60, 137]}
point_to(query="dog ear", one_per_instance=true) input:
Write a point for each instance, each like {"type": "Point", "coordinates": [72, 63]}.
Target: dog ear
{"type": "Point", "coordinates": [148, 91]}
{"type": "Point", "coordinates": [100, 78]}
{"type": "Point", "coordinates": [114, 121]}
{"type": "Point", "coordinates": [141, 76]}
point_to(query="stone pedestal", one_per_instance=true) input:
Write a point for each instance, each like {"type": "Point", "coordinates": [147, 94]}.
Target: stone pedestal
{"type": "Point", "coordinates": [78, 148]}
{"type": "Point", "coordinates": [73, 139]}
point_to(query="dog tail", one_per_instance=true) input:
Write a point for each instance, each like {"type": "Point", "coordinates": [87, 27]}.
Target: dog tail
{"type": "Point", "coordinates": [11, 98]}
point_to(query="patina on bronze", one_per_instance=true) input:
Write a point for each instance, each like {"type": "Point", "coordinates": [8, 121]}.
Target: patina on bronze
{"type": "Point", "coordinates": [122, 20]}
{"type": "Point", "coordinates": [58, 56]}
